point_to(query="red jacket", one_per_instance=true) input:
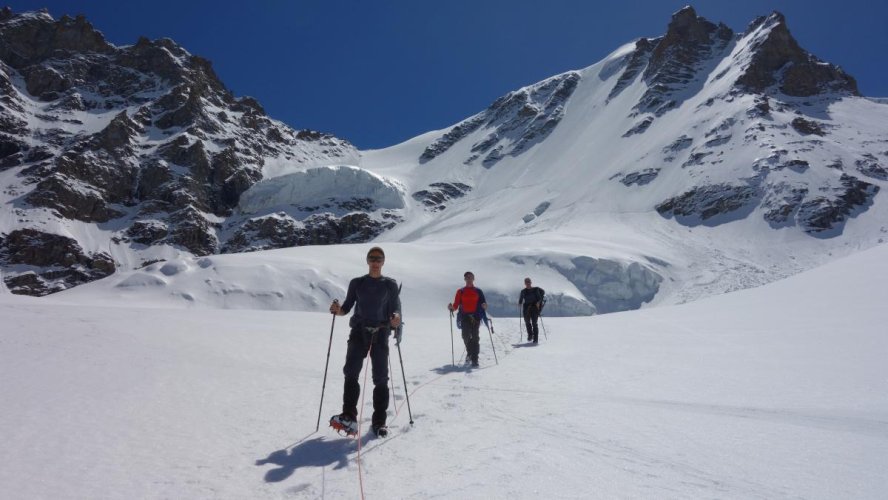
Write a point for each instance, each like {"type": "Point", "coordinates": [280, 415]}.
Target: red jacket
{"type": "Point", "coordinates": [468, 300]}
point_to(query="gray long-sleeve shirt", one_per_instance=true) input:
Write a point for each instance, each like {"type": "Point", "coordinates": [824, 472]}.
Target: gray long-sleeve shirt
{"type": "Point", "coordinates": [374, 300]}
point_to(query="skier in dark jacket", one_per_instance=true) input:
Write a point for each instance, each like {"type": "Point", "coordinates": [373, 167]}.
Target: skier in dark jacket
{"type": "Point", "coordinates": [377, 311]}
{"type": "Point", "coordinates": [470, 304]}
{"type": "Point", "coordinates": [533, 298]}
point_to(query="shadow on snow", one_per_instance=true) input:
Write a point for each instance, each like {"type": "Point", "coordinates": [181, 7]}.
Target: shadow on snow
{"type": "Point", "coordinates": [318, 452]}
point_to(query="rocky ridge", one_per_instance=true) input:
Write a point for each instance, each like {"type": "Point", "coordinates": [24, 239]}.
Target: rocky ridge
{"type": "Point", "coordinates": [144, 138]}
{"type": "Point", "coordinates": [782, 83]}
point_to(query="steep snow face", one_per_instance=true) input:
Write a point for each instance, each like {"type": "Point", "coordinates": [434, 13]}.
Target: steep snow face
{"type": "Point", "coordinates": [319, 186]}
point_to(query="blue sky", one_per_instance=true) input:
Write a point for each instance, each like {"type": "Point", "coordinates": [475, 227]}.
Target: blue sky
{"type": "Point", "coordinates": [380, 72]}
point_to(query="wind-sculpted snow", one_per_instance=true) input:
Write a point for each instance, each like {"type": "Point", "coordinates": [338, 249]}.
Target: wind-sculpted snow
{"type": "Point", "coordinates": [558, 304]}
{"type": "Point", "coordinates": [607, 285]}
{"type": "Point", "coordinates": [317, 186]}
{"type": "Point", "coordinates": [610, 285]}
{"type": "Point", "coordinates": [319, 206]}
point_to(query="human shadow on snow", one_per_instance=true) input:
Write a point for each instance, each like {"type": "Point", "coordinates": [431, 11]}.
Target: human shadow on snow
{"type": "Point", "coordinates": [444, 370]}
{"type": "Point", "coordinates": [318, 452]}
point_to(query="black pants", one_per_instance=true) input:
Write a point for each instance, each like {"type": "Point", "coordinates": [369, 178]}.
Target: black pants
{"type": "Point", "coordinates": [531, 317]}
{"type": "Point", "coordinates": [360, 341]}
{"type": "Point", "coordinates": [471, 337]}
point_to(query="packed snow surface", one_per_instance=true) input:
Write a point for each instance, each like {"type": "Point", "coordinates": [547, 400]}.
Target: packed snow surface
{"type": "Point", "coordinates": [779, 391]}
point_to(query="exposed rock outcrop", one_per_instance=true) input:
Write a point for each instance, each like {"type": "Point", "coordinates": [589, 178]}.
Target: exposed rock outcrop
{"type": "Point", "coordinates": [145, 135]}
{"type": "Point", "coordinates": [779, 60]}
{"type": "Point", "coordinates": [514, 122]}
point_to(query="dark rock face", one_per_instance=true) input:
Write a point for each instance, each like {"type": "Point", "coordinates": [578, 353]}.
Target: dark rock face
{"type": "Point", "coordinates": [32, 38]}
{"type": "Point", "coordinates": [821, 214]}
{"type": "Point", "coordinates": [779, 60]}
{"type": "Point", "coordinates": [704, 204]}
{"type": "Point", "coordinates": [678, 145]}
{"type": "Point", "coordinates": [438, 193]}
{"type": "Point", "coordinates": [53, 262]}
{"type": "Point", "coordinates": [172, 145]}
{"type": "Point", "coordinates": [825, 215]}
{"type": "Point", "coordinates": [640, 178]}
{"type": "Point", "coordinates": [634, 64]}
{"type": "Point", "coordinates": [679, 57]}
{"type": "Point", "coordinates": [639, 127]}
{"type": "Point", "coordinates": [281, 231]}
{"type": "Point", "coordinates": [869, 166]}
{"type": "Point", "coordinates": [807, 127]}
{"type": "Point", "coordinates": [515, 122]}
{"type": "Point", "coordinates": [147, 232]}
{"type": "Point", "coordinates": [782, 204]}
{"type": "Point", "coordinates": [453, 136]}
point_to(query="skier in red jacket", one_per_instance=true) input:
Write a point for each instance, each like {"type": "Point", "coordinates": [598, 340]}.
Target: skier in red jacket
{"type": "Point", "coordinates": [470, 305]}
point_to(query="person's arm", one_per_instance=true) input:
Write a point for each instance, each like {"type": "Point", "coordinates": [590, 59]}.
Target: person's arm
{"type": "Point", "coordinates": [521, 297]}
{"type": "Point", "coordinates": [350, 298]}
{"type": "Point", "coordinates": [455, 304]}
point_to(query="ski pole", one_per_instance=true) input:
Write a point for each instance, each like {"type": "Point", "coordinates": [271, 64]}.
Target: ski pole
{"type": "Point", "coordinates": [520, 329]}
{"type": "Point", "coordinates": [327, 365]}
{"type": "Point", "coordinates": [406, 392]}
{"type": "Point", "coordinates": [452, 354]}
{"type": "Point", "coordinates": [490, 332]}
{"type": "Point", "coordinates": [544, 327]}
{"type": "Point", "coordinates": [392, 379]}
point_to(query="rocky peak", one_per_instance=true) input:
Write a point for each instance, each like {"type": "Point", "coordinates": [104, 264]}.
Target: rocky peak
{"type": "Point", "coordinates": [27, 39]}
{"type": "Point", "coordinates": [167, 59]}
{"type": "Point", "coordinates": [779, 60]}
{"type": "Point", "coordinates": [677, 59]}
{"type": "Point", "coordinates": [686, 34]}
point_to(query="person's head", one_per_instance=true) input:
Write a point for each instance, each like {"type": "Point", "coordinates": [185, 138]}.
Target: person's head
{"type": "Point", "coordinates": [375, 258]}
{"type": "Point", "coordinates": [469, 277]}
{"type": "Point", "coordinates": [527, 282]}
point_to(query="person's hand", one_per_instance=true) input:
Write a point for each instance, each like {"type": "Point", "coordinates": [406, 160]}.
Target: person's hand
{"type": "Point", "coordinates": [450, 307]}
{"type": "Point", "coordinates": [396, 320]}
{"type": "Point", "coordinates": [484, 306]}
{"type": "Point", "coordinates": [334, 307]}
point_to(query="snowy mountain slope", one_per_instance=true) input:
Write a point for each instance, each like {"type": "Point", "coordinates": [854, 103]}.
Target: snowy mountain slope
{"type": "Point", "coordinates": [720, 182]}
{"type": "Point", "coordinates": [774, 392]}
{"type": "Point", "coordinates": [678, 167]}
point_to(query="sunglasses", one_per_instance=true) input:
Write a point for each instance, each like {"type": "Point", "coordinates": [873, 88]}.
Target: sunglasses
{"type": "Point", "coordinates": [468, 277]}
{"type": "Point", "coordinates": [375, 258]}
